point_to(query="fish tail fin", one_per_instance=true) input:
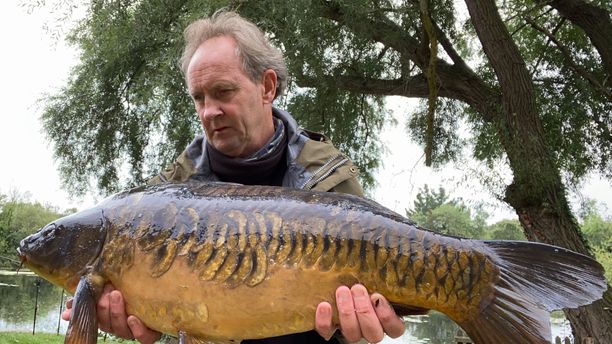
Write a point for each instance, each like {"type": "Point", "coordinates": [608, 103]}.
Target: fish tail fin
{"type": "Point", "coordinates": [534, 279]}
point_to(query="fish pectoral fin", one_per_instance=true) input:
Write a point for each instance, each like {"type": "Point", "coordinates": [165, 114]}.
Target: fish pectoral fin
{"type": "Point", "coordinates": [83, 325]}
{"type": "Point", "coordinates": [184, 338]}
{"type": "Point", "coordinates": [402, 310]}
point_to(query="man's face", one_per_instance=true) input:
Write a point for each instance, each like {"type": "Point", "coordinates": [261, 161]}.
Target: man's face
{"type": "Point", "coordinates": [236, 113]}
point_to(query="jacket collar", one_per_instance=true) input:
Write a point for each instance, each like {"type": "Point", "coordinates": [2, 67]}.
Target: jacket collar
{"type": "Point", "coordinates": [296, 174]}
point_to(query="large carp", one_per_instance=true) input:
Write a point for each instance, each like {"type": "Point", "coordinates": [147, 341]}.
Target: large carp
{"type": "Point", "coordinates": [222, 262]}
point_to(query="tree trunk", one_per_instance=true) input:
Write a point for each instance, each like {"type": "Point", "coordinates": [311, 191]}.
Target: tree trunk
{"type": "Point", "coordinates": [537, 192]}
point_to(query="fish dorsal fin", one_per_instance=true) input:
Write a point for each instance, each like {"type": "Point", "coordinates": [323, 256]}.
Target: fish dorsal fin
{"type": "Point", "coordinates": [184, 338]}
{"type": "Point", "coordinates": [83, 325]}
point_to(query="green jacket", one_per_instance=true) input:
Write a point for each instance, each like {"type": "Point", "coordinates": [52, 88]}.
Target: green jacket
{"type": "Point", "coordinates": [313, 163]}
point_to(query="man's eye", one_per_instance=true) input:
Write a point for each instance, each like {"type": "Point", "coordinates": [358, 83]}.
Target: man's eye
{"type": "Point", "coordinates": [225, 92]}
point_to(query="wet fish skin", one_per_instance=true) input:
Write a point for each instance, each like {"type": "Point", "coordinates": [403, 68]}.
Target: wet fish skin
{"type": "Point", "coordinates": [183, 255]}
{"type": "Point", "coordinates": [325, 241]}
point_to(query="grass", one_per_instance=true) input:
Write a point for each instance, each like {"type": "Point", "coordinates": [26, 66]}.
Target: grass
{"type": "Point", "coordinates": [43, 338]}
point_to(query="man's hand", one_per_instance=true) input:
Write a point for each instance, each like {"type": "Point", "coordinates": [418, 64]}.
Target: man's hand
{"type": "Point", "coordinates": [361, 316]}
{"type": "Point", "coordinates": [113, 319]}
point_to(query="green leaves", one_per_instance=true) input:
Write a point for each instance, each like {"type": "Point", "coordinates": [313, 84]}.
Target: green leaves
{"type": "Point", "coordinates": [124, 113]}
{"type": "Point", "coordinates": [434, 211]}
{"type": "Point", "coordinates": [124, 99]}
{"type": "Point", "coordinates": [598, 232]}
{"type": "Point", "coordinates": [352, 121]}
{"type": "Point", "coordinates": [447, 145]}
{"type": "Point", "coordinates": [20, 218]}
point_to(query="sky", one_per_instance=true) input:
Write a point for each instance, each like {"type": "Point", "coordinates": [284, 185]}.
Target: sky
{"type": "Point", "coordinates": [33, 63]}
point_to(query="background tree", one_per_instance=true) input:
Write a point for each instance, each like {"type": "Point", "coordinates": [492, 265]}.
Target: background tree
{"type": "Point", "coordinates": [505, 230]}
{"type": "Point", "coordinates": [427, 200]}
{"type": "Point", "coordinates": [19, 218]}
{"type": "Point", "coordinates": [529, 79]}
{"type": "Point", "coordinates": [598, 232]}
{"type": "Point", "coordinates": [433, 210]}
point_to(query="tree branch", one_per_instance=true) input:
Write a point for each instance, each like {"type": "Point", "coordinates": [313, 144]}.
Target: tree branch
{"type": "Point", "coordinates": [415, 87]}
{"type": "Point", "coordinates": [456, 81]}
{"type": "Point", "coordinates": [449, 48]}
{"type": "Point", "coordinates": [570, 62]}
{"type": "Point", "coordinates": [596, 23]}
{"type": "Point", "coordinates": [541, 57]}
{"type": "Point", "coordinates": [380, 30]}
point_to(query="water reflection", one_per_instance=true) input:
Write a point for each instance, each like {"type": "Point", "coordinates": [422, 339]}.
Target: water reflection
{"type": "Point", "coordinates": [437, 328]}
{"type": "Point", "coordinates": [434, 328]}
{"type": "Point", "coordinates": [18, 301]}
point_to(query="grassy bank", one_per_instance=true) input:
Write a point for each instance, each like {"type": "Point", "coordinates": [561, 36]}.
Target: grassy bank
{"type": "Point", "coordinates": [42, 338]}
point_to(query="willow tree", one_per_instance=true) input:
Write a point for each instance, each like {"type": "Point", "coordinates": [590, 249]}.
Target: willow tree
{"type": "Point", "coordinates": [530, 79]}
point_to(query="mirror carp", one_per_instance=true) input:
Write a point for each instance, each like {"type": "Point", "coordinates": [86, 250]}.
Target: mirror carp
{"type": "Point", "coordinates": [225, 262]}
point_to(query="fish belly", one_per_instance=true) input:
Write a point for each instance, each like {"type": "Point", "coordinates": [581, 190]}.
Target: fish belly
{"type": "Point", "coordinates": [285, 302]}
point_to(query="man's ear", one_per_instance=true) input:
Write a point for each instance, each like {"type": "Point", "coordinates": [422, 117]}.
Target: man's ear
{"type": "Point", "coordinates": [269, 83]}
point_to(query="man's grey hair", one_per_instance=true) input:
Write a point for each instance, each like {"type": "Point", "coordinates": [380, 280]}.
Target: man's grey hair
{"type": "Point", "coordinates": [254, 49]}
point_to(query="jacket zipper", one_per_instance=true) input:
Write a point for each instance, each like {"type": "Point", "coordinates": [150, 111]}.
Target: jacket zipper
{"type": "Point", "coordinates": [324, 171]}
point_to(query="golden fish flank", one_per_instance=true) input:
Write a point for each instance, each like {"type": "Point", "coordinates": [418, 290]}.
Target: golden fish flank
{"type": "Point", "coordinates": [189, 257]}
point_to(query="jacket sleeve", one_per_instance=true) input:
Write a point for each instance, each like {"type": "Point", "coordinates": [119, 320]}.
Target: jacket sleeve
{"type": "Point", "coordinates": [332, 170]}
{"type": "Point", "coordinates": [344, 179]}
{"type": "Point", "coordinates": [177, 172]}
{"type": "Point", "coordinates": [349, 186]}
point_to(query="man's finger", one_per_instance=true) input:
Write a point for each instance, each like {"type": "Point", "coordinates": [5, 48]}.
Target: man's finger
{"type": "Point", "coordinates": [323, 320]}
{"type": "Point", "coordinates": [68, 310]}
{"type": "Point", "coordinates": [349, 325]}
{"type": "Point", "coordinates": [118, 317]}
{"type": "Point", "coordinates": [370, 326]}
{"type": "Point", "coordinates": [66, 315]}
{"type": "Point", "coordinates": [142, 333]}
{"type": "Point", "coordinates": [103, 309]}
{"type": "Point", "coordinates": [392, 324]}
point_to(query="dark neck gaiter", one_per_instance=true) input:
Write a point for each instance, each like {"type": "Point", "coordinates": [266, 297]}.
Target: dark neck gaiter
{"type": "Point", "coordinates": [265, 167]}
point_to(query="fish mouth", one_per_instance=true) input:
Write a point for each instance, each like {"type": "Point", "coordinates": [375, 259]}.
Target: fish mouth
{"type": "Point", "coordinates": [22, 259]}
{"type": "Point", "coordinates": [21, 255]}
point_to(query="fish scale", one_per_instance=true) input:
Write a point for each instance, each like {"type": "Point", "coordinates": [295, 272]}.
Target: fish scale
{"type": "Point", "coordinates": [284, 241]}
{"type": "Point", "coordinates": [189, 257]}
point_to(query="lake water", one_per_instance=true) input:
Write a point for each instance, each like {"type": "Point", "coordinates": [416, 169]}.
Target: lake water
{"type": "Point", "coordinates": [18, 301]}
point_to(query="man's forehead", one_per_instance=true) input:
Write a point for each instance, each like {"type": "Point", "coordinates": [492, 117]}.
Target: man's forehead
{"type": "Point", "coordinates": [220, 47]}
{"type": "Point", "coordinates": [219, 53]}
{"type": "Point", "coordinates": [213, 73]}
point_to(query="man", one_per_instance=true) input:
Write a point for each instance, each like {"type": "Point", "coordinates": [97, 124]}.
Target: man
{"type": "Point", "coordinates": [233, 75]}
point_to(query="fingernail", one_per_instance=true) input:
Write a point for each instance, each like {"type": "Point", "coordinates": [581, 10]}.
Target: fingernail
{"type": "Point", "coordinates": [328, 337]}
{"type": "Point", "coordinates": [115, 297]}
{"type": "Point", "coordinates": [132, 322]}
{"type": "Point", "coordinates": [378, 299]}
{"type": "Point", "coordinates": [343, 297]}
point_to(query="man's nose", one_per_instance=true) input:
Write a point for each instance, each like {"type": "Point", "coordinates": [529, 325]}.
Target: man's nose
{"type": "Point", "coordinates": [210, 110]}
